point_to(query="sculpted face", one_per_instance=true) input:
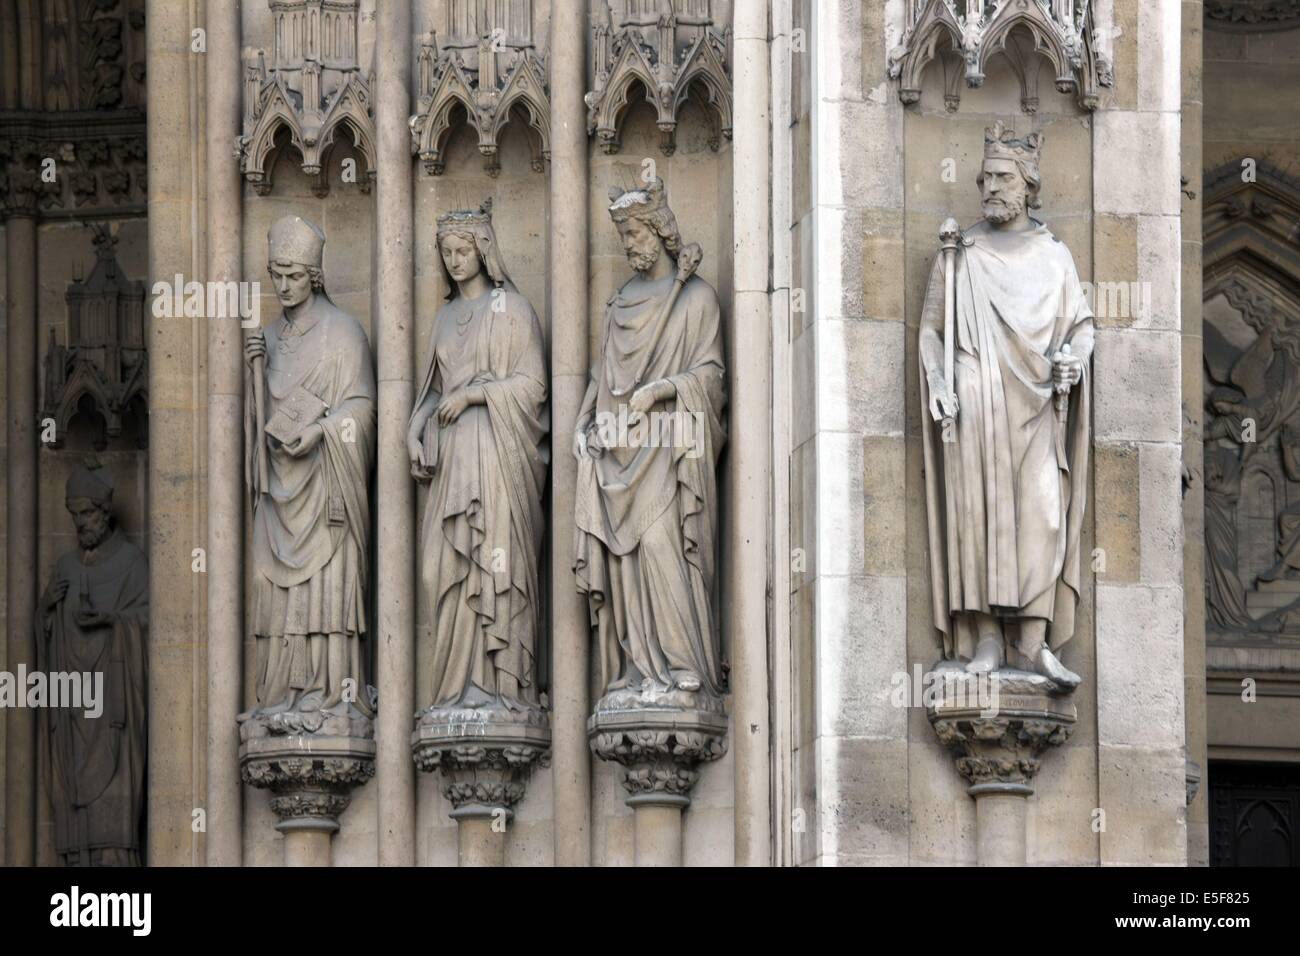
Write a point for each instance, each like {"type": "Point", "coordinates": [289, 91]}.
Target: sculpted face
{"type": "Point", "coordinates": [641, 244]}
{"type": "Point", "coordinates": [91, 521]}
{"type": "Point", "coordinates": [460, 256]}
{"type": "Point", "coordinates": [1004, 191]}
{"type": "Point", "coordinates": [292, 283]}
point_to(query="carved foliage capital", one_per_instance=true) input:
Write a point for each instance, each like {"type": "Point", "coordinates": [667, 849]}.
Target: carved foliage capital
{"type": "Point", "coordinates": [661, 751]}
{"type": "Point", "coordinates": [1004, 748]}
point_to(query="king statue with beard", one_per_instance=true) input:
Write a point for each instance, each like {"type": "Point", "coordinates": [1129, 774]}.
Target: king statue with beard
{"type": "Point", "coordinates": [1006, 456]}
{"type": "Point", "coordinates": [92, 621]}
{"type": "Point", "coordinates": [647, 508]}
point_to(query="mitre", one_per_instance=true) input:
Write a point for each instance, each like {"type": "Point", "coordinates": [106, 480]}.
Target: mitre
{"type": "Point", "coordinates": [294, 239]}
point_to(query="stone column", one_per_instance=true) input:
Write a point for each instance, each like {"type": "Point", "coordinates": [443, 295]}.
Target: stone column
{"type": "Point", "coordinates": [1198, 819]}
{"type": "Point", "coordinates": [998, 741]}
{"type": "Point", "coordinates": [225, 444]}
{"type": "Point", "coordinates": [311, 778]}
{"type": "Point", "coordinates": [176, 625]}
{"type": "Point", "coordinates": [661, 750]}
{"type": "Point", "coordinates": [748, 487]}
{"type": "Point", "coordinates": [570, 631]}
{"type": "Point", "coordinates": [394, 491]}
{"type": "Point", "coordinates": [21, 507]}
{"type": "Point", "coordinates": [485, 760]}
{"type": "Point", "coordinates": [1138, 430]}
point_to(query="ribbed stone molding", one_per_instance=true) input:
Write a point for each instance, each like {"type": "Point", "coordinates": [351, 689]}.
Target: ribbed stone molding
{"type": "Point", "coordinates": [998, 737]}
{"type": "Point", "coordinates": [964, 34]}
{"type": "Point", "coordinates": [1252, 16]}
{"type": "Point", "coordinates": [667, 54]}
{"type": "Point", "coordinates": [486, 756]}
{"type": "Point", "coordinates": [313, 89]}
{"type": "Point", "coordinates": [310, 763]}
{"type": "Point", "coordinates": [661, 748]}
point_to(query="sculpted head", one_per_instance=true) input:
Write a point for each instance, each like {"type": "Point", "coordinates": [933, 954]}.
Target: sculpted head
{"type": "Point", "coordinates": [1009, 180]}
{"type": "Point", "coordinates": [646, 225]}
{"type": "Point", "coordinates": [467, 245]}
{"type": "Point", "coordinates": [89, 499]}
{"type": "Point", "coordinates": [295, 249]}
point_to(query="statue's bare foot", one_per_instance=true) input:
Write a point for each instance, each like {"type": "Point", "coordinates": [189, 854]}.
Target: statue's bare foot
{"type": "Point", "coordinates": [310, 703]}
{"type": "Point", "coordinates": [1053, 669]}
{"type": "Point", "coordinates": [688, 681]}
{"type": "Point", "coordinates": [279, 708]}
{"type": "Point", "coordinates": [988, 656]}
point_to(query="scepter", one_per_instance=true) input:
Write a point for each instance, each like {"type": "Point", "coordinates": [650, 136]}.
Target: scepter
{"type": "Point", "coordinates": [949, 235]}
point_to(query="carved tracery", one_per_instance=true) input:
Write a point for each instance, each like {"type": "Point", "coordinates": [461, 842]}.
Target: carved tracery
{"type": "Point", "coordinates": [670, 48]}
{"type": "Point", "coordinates": [964, 34]}
{"type": "Point", "coordinates": [487, 72]}
{"type": "Point", "coordinates": [313, 89]}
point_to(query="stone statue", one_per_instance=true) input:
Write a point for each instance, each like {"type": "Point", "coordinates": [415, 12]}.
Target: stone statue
{"type": "Point", "coordinates": [1005, 345]}
{"type": "Point", "coordinates": [478, 436]}
{"type": "Point", "coordinates": [92, 620]}
{"type": "Point", "coordinates": [647, 505]}
{"type": "Point", "coordinates": [310, 427]}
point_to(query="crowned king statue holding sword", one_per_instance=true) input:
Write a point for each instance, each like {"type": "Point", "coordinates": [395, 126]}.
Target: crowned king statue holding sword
{"type": "Point", "coordinates": [1005, 343]}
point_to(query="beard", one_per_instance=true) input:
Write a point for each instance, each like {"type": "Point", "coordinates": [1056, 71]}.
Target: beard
{"type": "Point", "coordinates": [93, 536]}
{"type": "Point", "coordinates": [998, 211]}
{"type": "Point", "coordinates": [643, 261]}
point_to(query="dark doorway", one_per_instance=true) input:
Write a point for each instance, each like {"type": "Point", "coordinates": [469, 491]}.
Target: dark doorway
{"type": "Point", "coordinates": [1254, 814]}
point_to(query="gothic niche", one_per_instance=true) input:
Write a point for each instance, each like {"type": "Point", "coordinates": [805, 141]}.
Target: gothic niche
{"type": "Point", "coordinates": [672, 49]}
{"type": "Point", "coordinates": [963, 34]}
{"type": "Point", "coordinates": [314, 89]}
{"type": "Point", "coordinates": [1252, 405]}
{"type": "Point", "coordinates": [104, 368]}
{"type": "Point", "coordinates": [488, 71]}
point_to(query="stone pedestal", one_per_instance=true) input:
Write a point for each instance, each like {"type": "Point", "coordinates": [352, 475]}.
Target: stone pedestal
{"type": "Point", "coordinates": [310, 763]}
{"type": "Point", "coordinates": [661, 746]}
{"type": "Point", "coordinates": [998, 725]}
{"type": "Point", "coordinates": [486, 756]}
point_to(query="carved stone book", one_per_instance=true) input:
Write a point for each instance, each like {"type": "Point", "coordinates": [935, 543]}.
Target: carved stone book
{"type": "Point", "coordinates": [294, 414]}
{"type": "Point", "coordinates": [431, 443]}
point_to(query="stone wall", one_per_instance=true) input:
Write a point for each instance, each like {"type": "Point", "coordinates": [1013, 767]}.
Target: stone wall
{"type": "Point", "coordinates": [880, 789]}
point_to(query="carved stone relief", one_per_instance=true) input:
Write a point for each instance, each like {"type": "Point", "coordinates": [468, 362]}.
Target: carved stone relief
{"type": "Point", "coordinates": [105, 358]}
{"type": "Point", "coordinates": [963, 34]}
{"type": "Point", "coordinates": [313, 90]}
{"type": "Point", "coordinates": [93, 618]}
{"type": "Point", "coordinates": [669, 48]}
{"type": "Point", "coordinates": [1251, 468]}
{"type": "Point", "coordinates": [488, 67]}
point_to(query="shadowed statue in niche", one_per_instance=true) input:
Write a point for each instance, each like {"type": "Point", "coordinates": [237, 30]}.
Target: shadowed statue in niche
{"type": "Point", "coordinates": [1006, 338]}
{"type": "Point", "coordinates": [92, 621]}
{"type": "Point", "coordinates": [478, 437]}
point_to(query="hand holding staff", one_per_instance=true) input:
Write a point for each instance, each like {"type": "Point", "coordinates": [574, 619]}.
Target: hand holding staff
{"type": "Point", "coordinates": [255, 352]}
{"type": "Point", "coordinates": [949, 236]}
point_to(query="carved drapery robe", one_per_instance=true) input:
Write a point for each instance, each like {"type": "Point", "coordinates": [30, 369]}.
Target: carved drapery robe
{"type": "Point", "coordinates": [312, 525]}
{"type": "Point", "coordinates": [646, 516]}
{"type": "Point", "coordinates": [1005, 500]}
{"type": "Point", "coordinates": [483, 520]}
{"type": "Point", "coordinates": [94, 766]}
